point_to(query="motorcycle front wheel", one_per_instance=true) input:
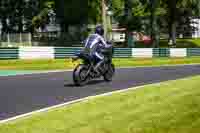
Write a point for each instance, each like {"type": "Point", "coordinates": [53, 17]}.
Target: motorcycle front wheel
{"type": "Point", "coordinates": [80, 75]}
{"type": "Point", "coordinates": [108, 75]}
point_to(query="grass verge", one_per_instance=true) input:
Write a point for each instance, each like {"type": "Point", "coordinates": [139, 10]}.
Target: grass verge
{"type": "Point", "coordinates": [63, 64]}
{"type": "Point", "coordinates": [170, 107]}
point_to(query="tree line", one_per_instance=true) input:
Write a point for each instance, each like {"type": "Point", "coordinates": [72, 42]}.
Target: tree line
{"type": "Point", "coordinates": [151, 16]}
{"type": "Point", "coordinates": [171, 16]}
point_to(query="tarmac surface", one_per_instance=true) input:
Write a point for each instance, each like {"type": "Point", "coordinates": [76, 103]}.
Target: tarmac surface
{"type": "Point", "coordinates": [26, 93]}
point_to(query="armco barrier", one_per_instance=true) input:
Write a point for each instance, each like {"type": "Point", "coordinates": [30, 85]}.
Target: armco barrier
{"type": "Point", "coordinates": [178, 52]}
{"type": "Point", "coordinates": [193, 51]}
{"type": "Point", "coordinates": [161, 52]}
{"type": "Point", "coordinates": [122, 52]}
{"type": "Point", "coordinates": [142, 52]}
{"type": "Point", "coordinates": [63, 52]}
{"type": "Point", "coordinates": [36, 52]}
{"type": "Point", "coordinates": [67, 52]}
{"type": "Point", "coordinates": [9, 53]}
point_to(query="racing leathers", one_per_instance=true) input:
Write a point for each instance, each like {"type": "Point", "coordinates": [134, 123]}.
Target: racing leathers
{"type": "Point", "coordinates": [93, 46]}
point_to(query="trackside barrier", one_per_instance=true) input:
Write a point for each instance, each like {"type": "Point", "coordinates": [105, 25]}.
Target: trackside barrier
{"type": "Point", "coordinates": [64, 52]}
{"type": "Point", "coordinates": [193, 52]}
{"type": "Point", "coordinates": [67, 52]}
{"type": "Point", "coordinates": [9, 53]}
{"type": "Point", "coordinates": [142, 52]}
{"type": "Point", "coordinates": [36, 52]}
{"type": "Point", "coordinates": [161, 52]}
{"type": "Point", "coordinates": [122, 52]}
{"type": "Point", "coordinates": [178, 52]}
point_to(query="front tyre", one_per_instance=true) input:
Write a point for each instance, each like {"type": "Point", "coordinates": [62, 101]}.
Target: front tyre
{"type": "Point", "coordinates": [80, 75]}
{"type": "Point", "coordinates": [109, 73]}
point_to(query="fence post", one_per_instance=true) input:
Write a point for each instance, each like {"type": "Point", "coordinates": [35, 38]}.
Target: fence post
{"type": "Point", "coordinates": [29, 39]}
{"type": "Point", "coordinates": [8, 39]}
{"type": "Point", "coordinates": [20, 38]}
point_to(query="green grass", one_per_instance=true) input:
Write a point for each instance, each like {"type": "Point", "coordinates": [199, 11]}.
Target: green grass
{"type": "Point", "coordinates": [171, 107]}
{"type": "Point", "coordinates": [193, 42]}
{"type": "Point", "coordinates": [133, 62]}
{"type": "Point", "coordinates": [62, 64]}
{"type": "Point", "coordinates": [43, 64]}
{"type": "Point", "coordinates": [13, 44]}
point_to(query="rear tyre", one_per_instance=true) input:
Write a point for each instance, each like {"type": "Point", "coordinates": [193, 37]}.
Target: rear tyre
{"type": "Point", "coordinates": [80, 75]}
{"type": "Point", "coordinates": [109, 73]}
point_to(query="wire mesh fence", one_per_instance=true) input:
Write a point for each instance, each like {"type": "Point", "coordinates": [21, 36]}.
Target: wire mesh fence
{"type": "Point", "coordinates": [41, 39]}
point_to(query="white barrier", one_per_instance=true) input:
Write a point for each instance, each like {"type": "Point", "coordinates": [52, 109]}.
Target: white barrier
{"type": "Point", "coordinates": [142, 52]}
{"type": "Point", "coordinates": [50, 53]}
{"type": "Point", "coordinates": [178, 52]}
{"type": "Point", "coordinates": [36, 52]}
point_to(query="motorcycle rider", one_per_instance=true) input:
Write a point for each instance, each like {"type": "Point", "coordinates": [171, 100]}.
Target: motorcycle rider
{"type": "Point", "coordinates": [94, 44]}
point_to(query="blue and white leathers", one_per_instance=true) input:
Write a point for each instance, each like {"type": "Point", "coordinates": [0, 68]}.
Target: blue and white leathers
{"type": "Point", "coordinates": [94, 44]}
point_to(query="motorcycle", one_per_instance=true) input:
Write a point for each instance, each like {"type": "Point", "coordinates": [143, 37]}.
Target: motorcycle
{"type": "Point", "coordinates": [85, 71]}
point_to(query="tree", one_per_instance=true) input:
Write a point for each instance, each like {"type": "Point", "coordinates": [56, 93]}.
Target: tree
{"type": "Point", "coordinates": [94, 11]}
{"type": "Point", "coordinates": [174, 12]}
{"type": "Point", "coordinates": [153, 22]}
{"type": "Point", "coordinates": [134, 12]}
{"type": "Point", "coordinates": [4, 15]}
{"type": "Point", "coordinates": [17, 14]}
{"type": "Point", "coordinates": [71, 12]}
{"type": "Point", "coordinates": [42, 18]}
{"type": "Point", "coordinates": [171, 12]}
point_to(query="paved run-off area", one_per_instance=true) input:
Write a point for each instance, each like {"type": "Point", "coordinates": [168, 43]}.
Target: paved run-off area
{"type": "Point", "coordinates": [25, 93]}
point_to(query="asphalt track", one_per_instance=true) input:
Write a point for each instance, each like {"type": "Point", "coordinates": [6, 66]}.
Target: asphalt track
{"type": "Point", "coordinates": [25, 93]}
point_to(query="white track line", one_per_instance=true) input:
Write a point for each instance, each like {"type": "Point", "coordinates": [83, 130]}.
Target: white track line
{"type": "Point", "coordinates": [35, 72]}
{"type": "Point", "coordinates": [81, 100]}
{"type": "Point", "coordinates": [71, 102]}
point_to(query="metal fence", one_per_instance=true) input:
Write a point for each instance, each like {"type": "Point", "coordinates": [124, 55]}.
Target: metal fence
{"type": "Point", "coordinates": [14, 40]}
{"type": "Point", "coordinates": [40, 39]}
